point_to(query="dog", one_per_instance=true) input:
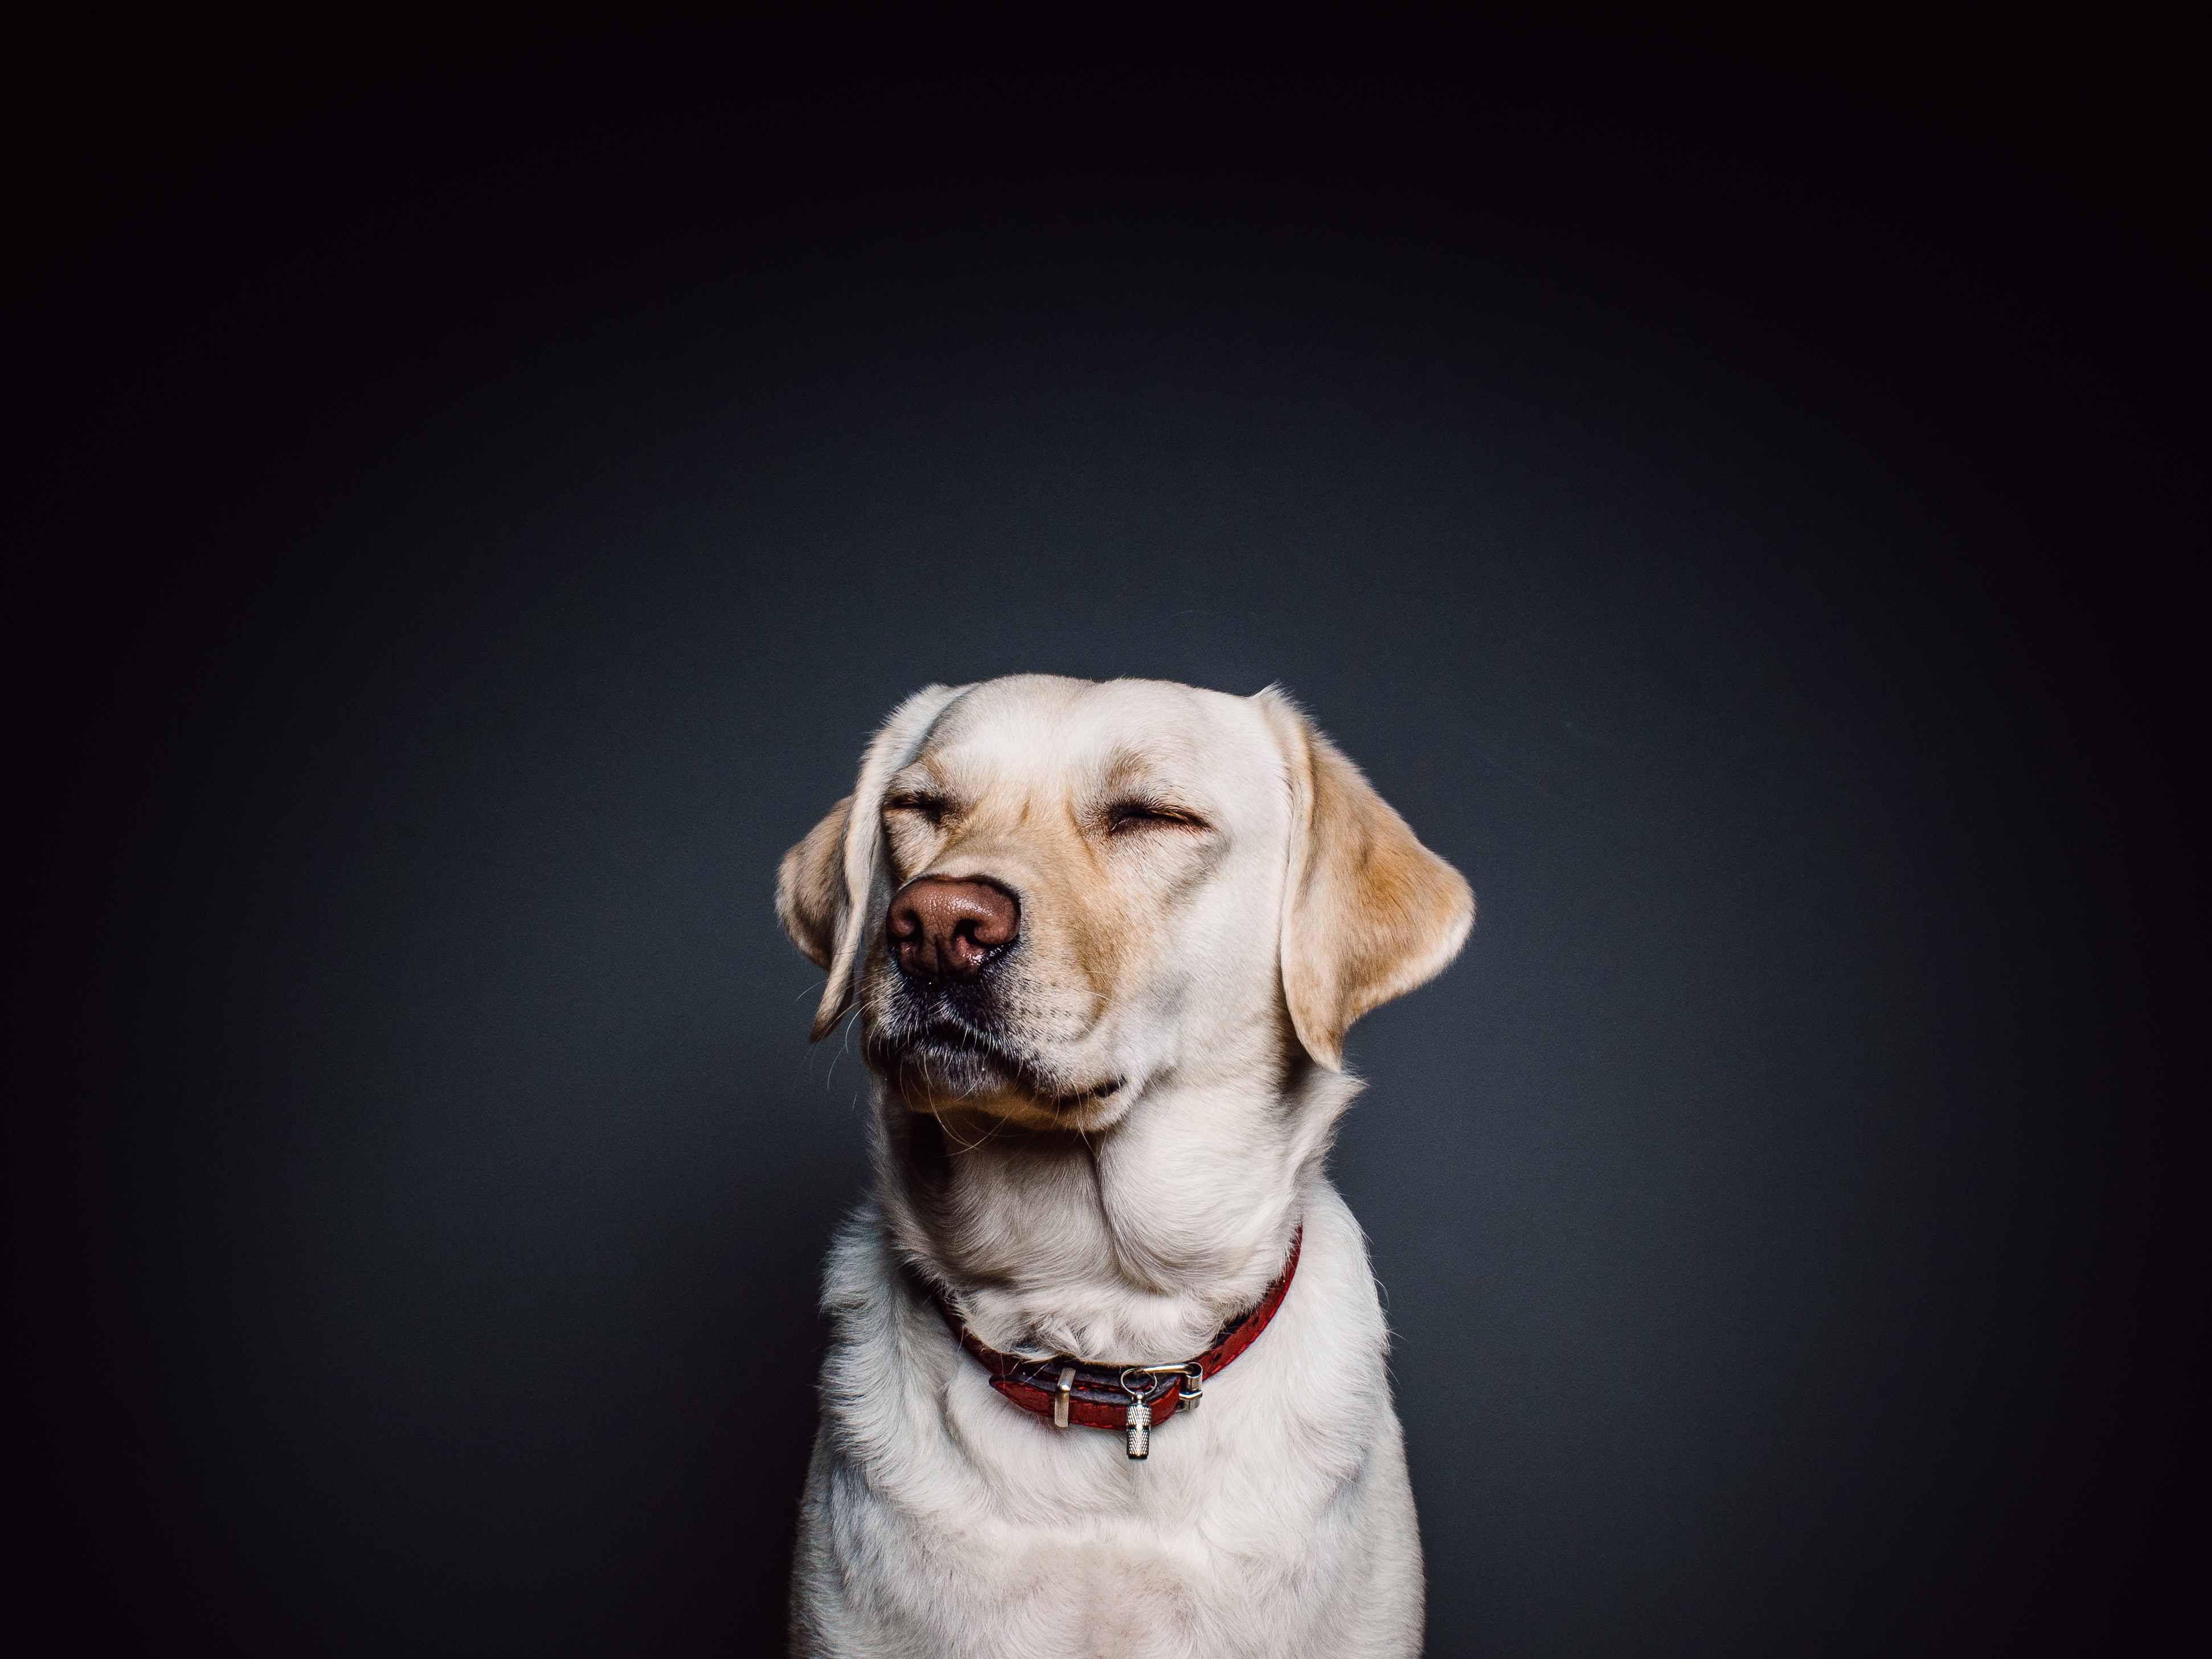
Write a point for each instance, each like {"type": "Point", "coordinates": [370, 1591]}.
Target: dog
{"type": "Point", "coordinates": [1104, 941]}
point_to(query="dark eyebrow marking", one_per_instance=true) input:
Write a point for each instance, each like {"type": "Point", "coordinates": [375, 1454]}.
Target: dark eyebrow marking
{"type": "Point", "coordinates": [1134, 770]}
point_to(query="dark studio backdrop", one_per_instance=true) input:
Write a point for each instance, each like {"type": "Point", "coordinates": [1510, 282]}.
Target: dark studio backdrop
{"type": "Point", "coordinates": [1731, 507]}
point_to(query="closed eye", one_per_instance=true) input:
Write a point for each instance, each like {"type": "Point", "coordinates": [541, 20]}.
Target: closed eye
{"type": "Point", "coordinates": [933, 808]}
{"type": "Point", "coordinates": [1125, 816]}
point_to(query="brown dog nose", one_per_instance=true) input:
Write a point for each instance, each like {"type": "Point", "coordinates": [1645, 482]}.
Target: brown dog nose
{"type": "Point", "coordinates": [943, 929]}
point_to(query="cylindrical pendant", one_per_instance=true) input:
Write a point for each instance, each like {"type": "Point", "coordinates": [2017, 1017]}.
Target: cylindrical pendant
{"type": "Point", "coordinates": [1140, 1432]}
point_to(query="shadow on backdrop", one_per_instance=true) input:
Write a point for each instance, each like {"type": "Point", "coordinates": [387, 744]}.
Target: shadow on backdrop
{"type": "Point", "coordinates": [508, 510]}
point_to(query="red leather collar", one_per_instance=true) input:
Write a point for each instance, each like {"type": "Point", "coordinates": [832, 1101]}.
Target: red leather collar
{"type": "Point", "coordinates": [1098, 1396]}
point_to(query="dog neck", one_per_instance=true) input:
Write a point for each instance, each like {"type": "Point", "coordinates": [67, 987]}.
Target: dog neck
{"type": "Point", "coordinates": [1134, 1244]}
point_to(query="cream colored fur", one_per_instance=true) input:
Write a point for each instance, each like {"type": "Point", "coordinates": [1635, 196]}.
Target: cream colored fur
{"type": "Point", "coordinates": [1177, 999]}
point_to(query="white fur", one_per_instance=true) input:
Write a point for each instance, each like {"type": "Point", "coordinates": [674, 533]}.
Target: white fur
{"type": "Point", "coordinates": [939, 1519]}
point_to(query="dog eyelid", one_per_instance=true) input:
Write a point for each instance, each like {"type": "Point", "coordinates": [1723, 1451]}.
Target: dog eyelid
{"type": "Point", "coordinates": [935, 808]}
{"type": "Point", "coordinates": [1126, 815]}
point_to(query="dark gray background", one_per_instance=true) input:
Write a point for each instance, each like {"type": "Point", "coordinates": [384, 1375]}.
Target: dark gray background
{"type": "Point", "coordinates": [1728, 521]}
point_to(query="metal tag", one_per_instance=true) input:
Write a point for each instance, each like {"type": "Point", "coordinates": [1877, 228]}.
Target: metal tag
{"type": "Point", "coordinates": [1140, 1432]}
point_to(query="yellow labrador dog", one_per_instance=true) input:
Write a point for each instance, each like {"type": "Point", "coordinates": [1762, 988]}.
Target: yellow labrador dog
{"type": "Point", "coordinates": [1108, 1369]}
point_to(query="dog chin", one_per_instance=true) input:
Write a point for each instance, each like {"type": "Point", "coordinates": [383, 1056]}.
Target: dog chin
{"type": "Point", "coordinates": [955, 1079]}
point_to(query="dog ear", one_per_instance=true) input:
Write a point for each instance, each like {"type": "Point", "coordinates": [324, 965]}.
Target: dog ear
{"type": "Point", "coordinates": [810, 887]}
{"type": "Point", "coordinates": [1368, 912]}
{"type": "Point", "coordinates": [833, 885]}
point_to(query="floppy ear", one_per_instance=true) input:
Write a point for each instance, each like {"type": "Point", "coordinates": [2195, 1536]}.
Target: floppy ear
{"type": "Point", "coordinates": [1368, 912]}
{"type": "Point", "coordinates": [810, 887]}
{"type": "Point", "coordinates": [832, 885]}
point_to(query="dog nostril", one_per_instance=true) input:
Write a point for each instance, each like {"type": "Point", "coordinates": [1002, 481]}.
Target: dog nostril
{"type": "Point", "coordinates": [946, 929]}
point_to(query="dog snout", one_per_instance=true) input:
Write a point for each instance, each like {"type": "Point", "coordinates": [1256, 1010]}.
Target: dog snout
{"type": "Point", "coordinates": [943, 929]}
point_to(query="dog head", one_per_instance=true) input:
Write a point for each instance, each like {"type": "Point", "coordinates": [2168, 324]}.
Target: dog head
{"type": "Point", "coordinates": [1045, 895]}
